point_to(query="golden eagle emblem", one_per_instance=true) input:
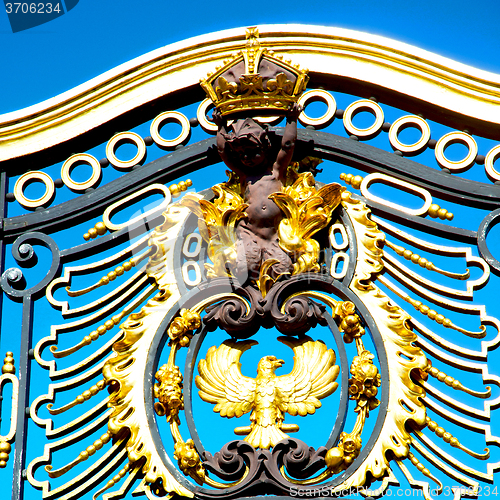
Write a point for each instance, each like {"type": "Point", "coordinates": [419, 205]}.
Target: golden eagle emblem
{"type": "Point", "coordinates": [268, 396]}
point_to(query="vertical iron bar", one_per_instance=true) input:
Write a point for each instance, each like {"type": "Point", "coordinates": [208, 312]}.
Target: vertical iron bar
{"type": "Point", "coordinates": [24, 385]}
{"type": "Point", "coordinates": [3, 192]}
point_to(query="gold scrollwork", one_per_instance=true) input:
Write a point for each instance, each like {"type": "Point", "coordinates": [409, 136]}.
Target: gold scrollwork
{"type": "Point", "coordinates": [130, 137]}
{"type": "Point", "coordinates": [406, 186]}
{"type": "Point", "coordinates": [169, 117]}
{"type": "Point", "coordinates": [406, 122]}
{"type": "Point", "coordinates": [357, 107]}
{"type": "Point", "coordinates": [28, 178]}
{"type": "Point", "coordinates": [456, 138]}
{"type": "Point", "coordinates": [78, 159]}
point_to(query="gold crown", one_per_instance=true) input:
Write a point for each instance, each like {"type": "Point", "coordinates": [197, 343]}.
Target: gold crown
{"type": "Point", "coordinates": [255, 79]}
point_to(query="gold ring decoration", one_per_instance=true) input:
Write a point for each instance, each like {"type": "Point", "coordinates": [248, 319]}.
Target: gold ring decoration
{"type": "Point", "coordinates": [201, 114]}
{"type": "Point", "coordinates": [314, 96]}
{"type": "Point", "coordinates": [405, 186]}
{"type": "Point", "coordinates": [489, 164]}
{"type": "Point", "coordinates": [81, 158]}
{"type": "Point", "coordinates": [357, 107]}
{"type": "Point", "coordinates": [28, 178]}
{"type": "Point", "coordinates": [456, 138]}
{"type": "Point", "coordinates": [406, 122]}
{"type": "Point", "coordinates": [169, 117]}
{"type": "Point", "coordinates": [125, 137]}
{"type": "Point", "coordinates": [139, 194]}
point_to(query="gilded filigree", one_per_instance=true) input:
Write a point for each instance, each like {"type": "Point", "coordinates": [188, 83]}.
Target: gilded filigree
{"type": "Point", "coordinates": [268, 396]}
{"type": "Point", "coordinates": [365, 381]}
{"type": "Point", "coordinates": [181, 329]}
{"type": "Point", "coordinates": [189, 460]}
{"type": "Point", "coordinates": [169, 393]}
{"type": "Point", "coordinates": [306, 211]}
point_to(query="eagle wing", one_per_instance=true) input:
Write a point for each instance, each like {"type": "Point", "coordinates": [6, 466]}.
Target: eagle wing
{"type": "Point", "coordinates": [312, 378]}
{"type": "Point", "coordinates": [221, 382]}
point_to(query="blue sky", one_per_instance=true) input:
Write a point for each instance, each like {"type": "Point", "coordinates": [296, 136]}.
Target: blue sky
{"type": "Point", "coordinates": [97, 35]}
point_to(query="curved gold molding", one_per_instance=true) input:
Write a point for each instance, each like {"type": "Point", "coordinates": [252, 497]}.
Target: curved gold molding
{"type": "Point", "coordinates": [413, 78]}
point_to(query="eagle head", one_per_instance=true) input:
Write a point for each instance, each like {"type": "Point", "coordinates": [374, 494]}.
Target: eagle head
{"type": "Point", "coordinates": [268, 364]}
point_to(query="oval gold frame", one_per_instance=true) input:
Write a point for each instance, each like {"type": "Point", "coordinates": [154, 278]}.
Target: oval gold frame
{"type": "Point", "coordinates": [129, 137]}
{"type": "Point", "coordinates": [388, 180]}
{"type": "Point", "coordinates": [106, 218]}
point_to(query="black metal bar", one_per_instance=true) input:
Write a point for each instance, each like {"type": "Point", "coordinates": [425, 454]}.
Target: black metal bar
{"type": "Point", "coordinates": [23, 402]}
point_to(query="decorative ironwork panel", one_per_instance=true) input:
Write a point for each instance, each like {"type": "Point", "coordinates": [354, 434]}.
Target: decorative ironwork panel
{"type": "Point", "coordinates": [158, 278]}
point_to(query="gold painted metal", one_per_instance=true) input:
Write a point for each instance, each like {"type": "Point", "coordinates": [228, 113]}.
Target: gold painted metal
{"type": "Point", "coordinates": [158, 188]}
{"type": "Point", "coordinates": [111, 276]}
{"type": "Point", "coordinates": [406, 122]}
{"type": "Point", "coordinates": [201, 114]}
{"type": "Point", "coordinates": [424, 470]}
{"type": "Point", "coordinates": [9, 375]}
{"type": "Point", "coordinates": [130, 137]}
{"type": "Point", "coordinates": [415, 258]}
{"type": "Point", "coordinates": [422, 485]}
{"type": "Point", "coordinates": [127, 419]}
{"type": "Point", "coordinates": [29, 177]}
{"type": "Point", "coordinates": [465, 252]}
{"type": "Point", "coordinates": [252, 92]}
{"type": "Point", "coordinates": [431, 285]}
{"type": "Point", "coordinates": [314, 96]}
{"type": "Point", "coordinates": [306, 211]}
{"type": "Point", "coordinates": [424, 309]}
{"type": "Point", "coordinates": [453, 441]}
{"type": "Point", "coordinates": [77, 159]}
{"type": "Point", "coordinates": [456, 138]}
{"type": "Point", "coordinates": [169, 117]}
{"type": "Point", "coordinates": [454, 383]}
{"type": "Point", "coordinates": [453, 90]}
{"type": "Point", "coordinates": [357, 107]}
{"type": "Point", "coordinates": [489, 164]}
{"type": "Point", "coordinates": [403, 185]}
{"type": "Point", "coordinates": [84, 455]}
{"type": "Point", "coordinates": [353, 180]}
{"type": "Point", "coordinates": [450, 471]}
{"type": "Point", "coordinates": [71, 271]}
{"type": "Point", "coordinates": [85, 396]}
{"type": "Point", "coordinates": [402, 355]}
{"type": "Point", "coordinates": [268, 396]}
{"type": "Point", "coordinates": [99, 229]}
{"type": "Point", "coordinates": [437, 451]}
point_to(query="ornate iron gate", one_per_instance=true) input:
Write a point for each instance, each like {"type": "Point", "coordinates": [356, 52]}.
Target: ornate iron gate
{"type": "Point", "coordinates": [164, 295]}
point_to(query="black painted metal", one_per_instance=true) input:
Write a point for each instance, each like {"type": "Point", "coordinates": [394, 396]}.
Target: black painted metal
{"type": "Point", "coordinates": [491, 220]}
